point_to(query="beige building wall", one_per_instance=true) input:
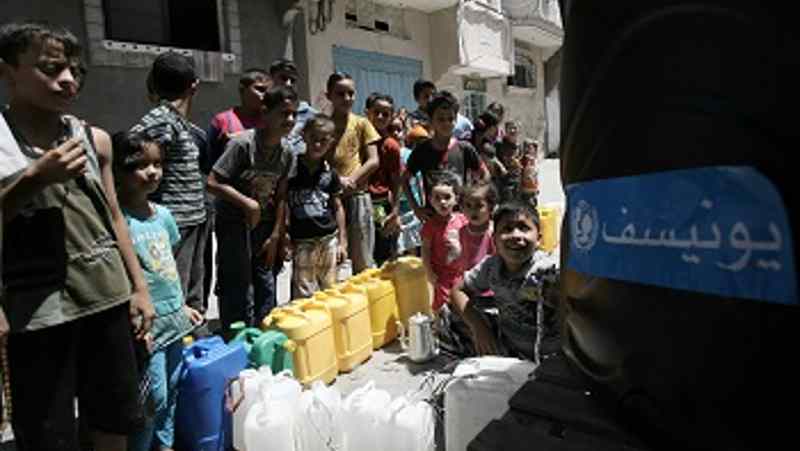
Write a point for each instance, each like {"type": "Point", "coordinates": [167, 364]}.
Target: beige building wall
{"type": "Point", "coordinates": [523, 105]}
{"type": "Point", "coordinates": [444, 46]}
{"type": "Point", "coordinates": [320, 47]}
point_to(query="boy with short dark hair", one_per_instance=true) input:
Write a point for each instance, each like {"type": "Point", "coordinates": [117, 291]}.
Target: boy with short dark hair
{"type": "Point", "coordinates": [284, 73]}
{"type": "Point", "coordinates": [68, 262]}
{"type": "Point", "coordinates": [384, 183]}
{"type": "Point", "coordinates": [522, 280]}
{"type": "Point", "coordinates": [442, 152]}
{"type": "Point", "coordinates": [250, 219]}
{"type": "Point", "coordinates": [181, 190]}
{"type": "Point", "coordinates": [253, 83]}
{"type": "Point", "coordinates": [512, 132]}
{"type": "Point", "coordinates": [423, 92]}
{"type": "Point", "coordinates": [316, 215]}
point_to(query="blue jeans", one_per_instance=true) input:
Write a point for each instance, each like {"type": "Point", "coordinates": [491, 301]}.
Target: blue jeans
{"type": "Point", "coordinates": [246, 287]}
{"type": "Point", "coordinates": [164, 370]}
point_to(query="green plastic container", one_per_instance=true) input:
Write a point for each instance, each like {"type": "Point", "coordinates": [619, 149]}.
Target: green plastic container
{"type": "Point", "coordinates": [270, 348]}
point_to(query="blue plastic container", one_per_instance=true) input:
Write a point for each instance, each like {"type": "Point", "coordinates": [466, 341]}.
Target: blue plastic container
{"type": "Point", "coordinates": [202, 423]}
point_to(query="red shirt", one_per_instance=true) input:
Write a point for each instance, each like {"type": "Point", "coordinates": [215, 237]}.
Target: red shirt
{"type": "Point", "coordinates": [380, 181]}
{"type": "Point", "coordinates": [474, 247]}
{"type": "Point", "coordinates": [228, 122]}
{"type": "Point", "coordinates": [437, 230]}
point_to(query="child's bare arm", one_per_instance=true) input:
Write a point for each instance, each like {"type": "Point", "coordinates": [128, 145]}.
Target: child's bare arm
{"type": "Point", "coordinates": [370, 164]}
{"type": "Point", "coordinates": [481, 335]}
{"type": "Point", "coordinates": [426, 260]}
{"type": "Point", "coordinates": [342, 227]}
{"type": "Point", "coordinates": [270, 247]}
{"type": "Point", "coordinates": [58, 165]}
{"type": "Point", "coordinates": [140, 305]}
{"type": "Point", "coordinates": [220, 187]}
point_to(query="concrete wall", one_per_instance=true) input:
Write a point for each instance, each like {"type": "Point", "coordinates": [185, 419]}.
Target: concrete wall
{"type": "Point", "coordinates": [320, 46]}
{"type": "Point", "coordinates": [445, 52]}
{"type": "Point", "coordinates": [524, 105]}
{"type": "Point", "coordinates": [114, 97]}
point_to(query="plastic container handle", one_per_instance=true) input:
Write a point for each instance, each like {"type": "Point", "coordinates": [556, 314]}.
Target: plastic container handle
{"type": "Point", "coordinates": [250, 335]}
{"type": "Point", "coordinates": [289, 346]}
{"type": "Point", "coordinates": [232, 404]}
{"type": "Point", "coordinates": [402, 337]}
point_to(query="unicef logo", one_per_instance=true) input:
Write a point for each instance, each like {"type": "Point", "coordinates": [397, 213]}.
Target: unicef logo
{"type": "Point", "coordinates": [584, 226]}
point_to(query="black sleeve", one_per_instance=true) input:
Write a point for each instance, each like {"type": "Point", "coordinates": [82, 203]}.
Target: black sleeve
{"type": "Point", "coordinates": [414, 163]}
{"type": "Point", "coordinates": [471, 159]}
{"type": "Point", "coordinates": [335, 187]}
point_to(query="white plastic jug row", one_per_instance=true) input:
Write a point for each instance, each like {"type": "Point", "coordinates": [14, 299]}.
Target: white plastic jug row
{"type": "Point", "coordinates": [275, 413]}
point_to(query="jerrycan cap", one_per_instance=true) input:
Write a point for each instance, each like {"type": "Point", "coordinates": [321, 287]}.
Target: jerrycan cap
{"type": "Point", "coordinates": [290, 346]}
{"type": "Point", "coordinates": [237, 327]}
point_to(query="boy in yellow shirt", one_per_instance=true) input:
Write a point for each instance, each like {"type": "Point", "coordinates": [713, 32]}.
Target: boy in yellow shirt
{"type": "Point", "coordinates": [354, 159]}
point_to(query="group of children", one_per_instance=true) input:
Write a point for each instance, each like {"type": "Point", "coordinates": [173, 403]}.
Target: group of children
{"type": "Point", "coordinates": [96, 238]}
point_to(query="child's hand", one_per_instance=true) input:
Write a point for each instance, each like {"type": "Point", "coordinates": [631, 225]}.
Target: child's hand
{"type": "Point", "coordinates": [252, 212]}
{"type": "Point", "coordinates": [149, 342]}
{"type": "Point", "coordinates": [63, 163]}
{"type": "Point", "coordinates": [485, 344]}
{"type": "Point", "coordinates": [285, 248]}
{"type": "Point", "coordinates": [195, 317]}
{"type": "Point", "coordinates": [391, 225]}
{"type": "Point", "coordinates": [423, 213]}
{"type": "Point", "coordinates": [269, 250]}
{"type": "Point", "coordinates": [348, 184]}
{"type": "Point", "coordinates": [432, 277]}
{"type": "Point", "coordinates": [341, 252]}
{"type": "Point", "coordinates": [141, 312]}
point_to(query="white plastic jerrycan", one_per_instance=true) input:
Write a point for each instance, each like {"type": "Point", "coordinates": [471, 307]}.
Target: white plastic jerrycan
{"type": "Point", "coordinates": [364, 418]}
{"type": "Point", "coordinates": [269, 425]}
{"type": "Point", "coordinates": [478, 393]}
{"type": "Point", "coordinates": [319, 425]}
{"type": "Point", "coordinates": [244, 394]}
{"type": "Point", "coordinates": [411, 424]}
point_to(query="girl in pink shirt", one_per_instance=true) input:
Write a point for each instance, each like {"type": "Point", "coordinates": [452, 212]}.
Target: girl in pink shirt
{"type": "Point", "coordinates": [478, 202]}
{"type": "Point", "coordinates": [441, 247]}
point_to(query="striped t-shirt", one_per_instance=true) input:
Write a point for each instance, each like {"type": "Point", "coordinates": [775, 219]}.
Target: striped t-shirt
{"type": "Point", "coordinates": [181, 189]}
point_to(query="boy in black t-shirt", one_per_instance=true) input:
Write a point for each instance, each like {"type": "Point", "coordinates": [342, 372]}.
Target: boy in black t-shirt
{"type": "Point", "coordinates": [316, 217]}
{"type": "Point", "coordinates": [442, 152]}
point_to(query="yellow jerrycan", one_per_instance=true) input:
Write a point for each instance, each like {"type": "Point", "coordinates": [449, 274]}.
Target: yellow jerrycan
{"type": "Point", "coordinates": [308, 324]}
{"type": "Point", "coordinates": [548, 228]}
{"type": "Point", "coordinates": [351, 330]}
{"type": "Point", "coordinates": [410, 285]}
{"type": "Point", "coordinates": [382, 307]}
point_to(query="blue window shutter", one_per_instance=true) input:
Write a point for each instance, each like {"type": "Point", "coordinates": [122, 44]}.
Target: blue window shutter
{"type": "Point", "coordinates": [377, 72]}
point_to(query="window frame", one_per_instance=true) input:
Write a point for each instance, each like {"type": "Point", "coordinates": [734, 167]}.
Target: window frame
{"type": "Point", "coordinates": [108, 52]}
{"type": "Point", "coordinates": [467, 106]}
{"type": "Point", "coordinates": [529, 70]}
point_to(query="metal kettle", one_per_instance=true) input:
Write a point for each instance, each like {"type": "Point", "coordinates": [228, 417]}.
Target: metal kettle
{"type": "Point", "coordinates": [419, 342]}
